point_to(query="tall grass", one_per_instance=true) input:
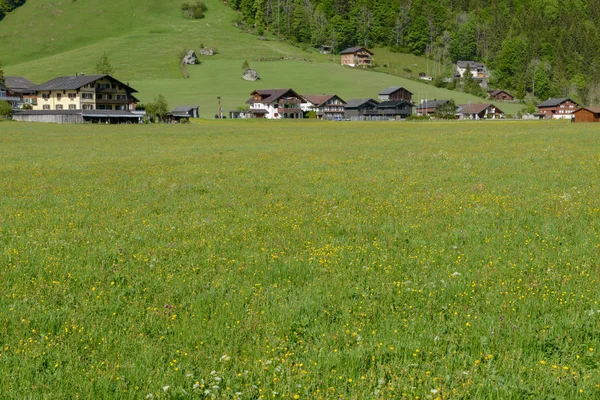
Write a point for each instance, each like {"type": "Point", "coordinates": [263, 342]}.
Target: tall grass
{"type": "Point", "coordinates": [299, 260]}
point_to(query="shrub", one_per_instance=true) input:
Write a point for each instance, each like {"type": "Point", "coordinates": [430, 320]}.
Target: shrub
{"type": "Point", "coordinates": [194, 9]}
{"type": "Point", "coordinates": [311, 114]}
{"type": "Point", "coordinates": [5, 110]}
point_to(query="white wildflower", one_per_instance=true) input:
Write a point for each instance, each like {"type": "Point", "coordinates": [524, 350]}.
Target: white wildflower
{"type": "Point", "coordinates": [165, 388]}
{"type": "Point", "coordinates": [434, 391]}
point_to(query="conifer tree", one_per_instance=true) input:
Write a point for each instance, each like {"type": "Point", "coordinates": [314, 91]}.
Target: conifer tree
{"type": "Point", "coordinates": [104, 66]}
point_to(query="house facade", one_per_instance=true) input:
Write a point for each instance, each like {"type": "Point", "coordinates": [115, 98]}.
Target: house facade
{"type": "Point", "coordinates": [395, 93]}
{"type": "Point", "coordinates": [8, 96]}
{"type": "Point", "coordinates": [562, 108]}
{"type": "Point", "coordinates": [501, 95]}
{"type": "Point", "coordinates": [479, 111]}
{"type": "Point", "coordinates": [83, 92]}
{"type": "Point", "coordinates": [23, 88]}
{"type": "Point", "coordinates": [360, 109]}
{"type": "Point", "coordinates": [393, 109]}
{"type": "Point", "coordinates": [326, 106]}
{"type": "Point", "coordinates": [426, 108]}
{"type": "Point", "coordinates": [587, 114]}
{"type": "Point", "coordinates": [478, 70]}
{"type": "Point", "coordinates": [275, 104]}
{"type": "Point", "coordinates": [184, 113]}
{"type": "Point", "coordinates": [357, 57]}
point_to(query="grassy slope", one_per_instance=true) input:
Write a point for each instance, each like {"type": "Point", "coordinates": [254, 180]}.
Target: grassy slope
{"type": "Point", "coordinates": [143, 38]}
{"type": "Point", "coordinates": [321, 259]}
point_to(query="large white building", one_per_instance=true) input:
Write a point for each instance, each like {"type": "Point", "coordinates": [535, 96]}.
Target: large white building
{"type": "Point", "coordinates": [275, 104]}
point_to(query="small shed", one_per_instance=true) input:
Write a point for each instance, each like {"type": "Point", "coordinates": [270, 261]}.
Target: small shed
{"type": "Point", "coordinates": [587, 114]}
{"type": "Point", "coordinates": [184, 113]}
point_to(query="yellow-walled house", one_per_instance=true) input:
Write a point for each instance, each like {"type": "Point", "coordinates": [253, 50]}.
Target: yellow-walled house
{"type": "Point", "coordinates": [85, 92]}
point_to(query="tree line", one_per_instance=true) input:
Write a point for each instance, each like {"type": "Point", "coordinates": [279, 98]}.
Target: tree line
{"type": "Point", "coordinates": [536, 48]}
{"type": "Point", "coordinates": [7, 6]}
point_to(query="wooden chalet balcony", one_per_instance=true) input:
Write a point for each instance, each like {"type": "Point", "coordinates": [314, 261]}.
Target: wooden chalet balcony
{"type": "Point", "coordinates": [112, 101]}
{"type": "Point", "coordinates": [288, 110]}
{"type": "Point", "coordinates": [290, 101]}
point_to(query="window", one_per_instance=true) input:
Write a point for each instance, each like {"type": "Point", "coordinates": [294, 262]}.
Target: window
{"type": "Point", "coordinates": [87, 107]}
{"type": "Point", "coordinates": [45, 96]}
{"type": "Point", "coordinates": [46, 107]}
{"type": "Point", "coordinates": [59, 107]}
{"type": "Point", "coordinates": [87, 96]}
{"type": "Point", "coordinates": [58, 96]}
{"type": "Point", "coordinates": [121, 97]}
{"type": "Point", "coordinates": [276, 115]}
{"type": "Point", "coordinates": [72, 107]}
{"type": "Point", "coordinates": [72, 95]}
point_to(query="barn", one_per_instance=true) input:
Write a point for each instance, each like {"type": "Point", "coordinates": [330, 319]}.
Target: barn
{"type": "Point", "coordinates": [587, 114]}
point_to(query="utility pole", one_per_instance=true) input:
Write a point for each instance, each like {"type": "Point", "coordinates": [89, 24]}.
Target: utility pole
{"type": "Point", "coordinates": [219, 112]}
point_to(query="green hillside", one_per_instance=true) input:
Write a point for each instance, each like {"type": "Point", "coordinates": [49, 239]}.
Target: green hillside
{"type": "Point", "coordinates": [42, 40]}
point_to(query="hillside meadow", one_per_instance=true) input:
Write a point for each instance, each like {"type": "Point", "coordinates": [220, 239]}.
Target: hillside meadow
{"type": "Point", "coordinates": [296, 259]}
{"type": "Point", "coordinates": [143, 40]}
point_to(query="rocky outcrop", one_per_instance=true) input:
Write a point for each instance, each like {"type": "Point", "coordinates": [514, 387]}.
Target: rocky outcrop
{"type": "Point", "coordinates": [251, 75]}
{"type": "Point", "coordinates": [207, 51]}
{"type": "Point", "coordinates": [190, 58]}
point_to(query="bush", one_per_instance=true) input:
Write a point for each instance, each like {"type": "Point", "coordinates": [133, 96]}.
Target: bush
{"type": "Point", "coordinates": [418, 118]}
{"type": "Point", "coordinates": [194, 9]}
{"type": "Point", "coordinates": [311, 114]}
{"type": "Point", "coordinates": [5, 110]}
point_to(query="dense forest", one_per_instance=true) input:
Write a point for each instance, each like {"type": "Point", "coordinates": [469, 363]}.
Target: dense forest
{"type": "Point", "coordinates": [536, 48]}
{"type": "Point", "coordinates": [7, 6]}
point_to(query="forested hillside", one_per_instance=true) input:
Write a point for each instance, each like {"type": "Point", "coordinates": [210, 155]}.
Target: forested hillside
{"type": "Point", "coordinates": [545, 47]}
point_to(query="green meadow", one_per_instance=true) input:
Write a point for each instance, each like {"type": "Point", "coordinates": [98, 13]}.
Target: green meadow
{"type": "Point", "coordinates": [143, 39]}
{"type": "Point", "coordinates": [255, 260]}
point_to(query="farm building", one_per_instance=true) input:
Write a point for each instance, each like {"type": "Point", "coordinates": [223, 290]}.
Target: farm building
{"type": "Point", "coordinates": [327, 106]}
{"type": "Point", "coordinates": [587, 114]}
{"type": "Point", "coordinates": [275, 104]}
{"type": "Point", "coordinates": [22, 88]}
{"type": "Point", "coordinates": [557, 108]}
{"type": "Point", "coordinates": [357, 57]}
{"type": "Point", "coordinates": [479, 111]}
{"type": "Point", "coordinates": [358, 109]}
{"type": "Point", "coordinates": [396, 93]}
{"type": "Point", "coordinates": [502, 95]}
{"type": "Point", "coordinates": [184, 113]}
{"type": "Point", "coordinates": [394, 109]}
{"type": "Point", "coordinates": [78, 116]}
{"type": "Point", "coordinates": [430, 107]}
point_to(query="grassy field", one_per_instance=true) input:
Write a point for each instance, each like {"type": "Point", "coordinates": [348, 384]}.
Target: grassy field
{"type": "Point", "coordinates": [45, 39]}
{"type": "Point", "coordinates": [300, 260]}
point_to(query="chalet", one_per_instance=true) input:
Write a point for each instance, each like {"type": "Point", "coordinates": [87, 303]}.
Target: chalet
{"type": "Point", "coordinates": [502, 95]}
{"type": "Point", "coordinates": [430, 107]}
{"type": "Point", "coordinates": [184, 113]}
{"type": "Point", "coordinates": [358, 109]}
{"type": "Point", "coordinates": [10, 97]}
{"type": "Point", "coordinates": [478, 70]}
{"type": "Point", "coordinates": [396, 93]}
{"type": "Point", "coordinates": [557, 108]}
{"type": "Point", "coordinates": [84, 92]}
{"type": "Point", "coordinates": [393, 109]}
{"type": "Point", "coordinates": [479, 111]}
{"type": "Point", "coordinates": [275, 104]}
{"type": "Point", "coordinates": [327, 106]}
{"type": "Point", "coordinates": [23, 88]}
{"type": "Point", "coordinates": [587, 114]}
{"type": "Point", "coordinates": [357, 57]}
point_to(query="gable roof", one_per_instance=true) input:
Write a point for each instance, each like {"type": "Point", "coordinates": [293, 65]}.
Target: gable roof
{"type": "Point", "coordinates": [497, 92]}
{"type": "Point", "coordinates": [18, 83]}
{"type": "Point", "coordinates": [353, 50]}
{"type": "Point", "coordinates": [593, 110]}
{"type": "Point", "coordinates": [320, 99]}
{"type": "Point", "coordinates": [475, 108]}
{"type": "Point", "coordinates": [393, 89]}
{"type": "Point", "coordinates": [271, 95]}
{"type": "Point", "coordinates": [554, 102]}
{"type": "Point", "coordinates": [74, 82]}
{"type": "Point", "coordinates": [356, 103]}
{"type": "Point", "coordinates": [184, 109]}
{"type": "Point", "coordinates": [472, 64]}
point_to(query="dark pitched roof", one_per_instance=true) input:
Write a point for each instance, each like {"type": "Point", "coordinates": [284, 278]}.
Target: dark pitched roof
{"type": "Point", "coordinates": [472, 64]}
{"type": "Point", "coordinates": [432, 103]}
{"type": "Point", "coordinates": [74, 82]}
{"type": "Point", "coordinates": [353, 50]}
{"type": "Point", "coordinates": [475, 108]}
{"type": "Point", "coordinates": [554, 102]}
{"type": "Point", "coordinates": [393, 89]}
{"type": "Point", "coordinates": [183, 109]}
{"type": "Point", "coordinates": [319, 99]}
{"type": "Point", "coordinates": [355, 103]}
{"type": "Point", "coordinates": [18, 83]}
{"type": "Point", "coordinates": [271, 95]}
{"type": "Point", "coordinates": [394, 103]}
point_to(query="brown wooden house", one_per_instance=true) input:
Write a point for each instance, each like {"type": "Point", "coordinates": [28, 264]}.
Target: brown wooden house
{"type": "Point", "coordinates": [502, 95]}
{"type": "Point", "coordinates": [395, 93]}
{"type": "Point", "coordinates": [357, 57]}
{"type": "Point", "coordinates": [557, 108]}
{"type": "Point", "coordinates": [587, 114]}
